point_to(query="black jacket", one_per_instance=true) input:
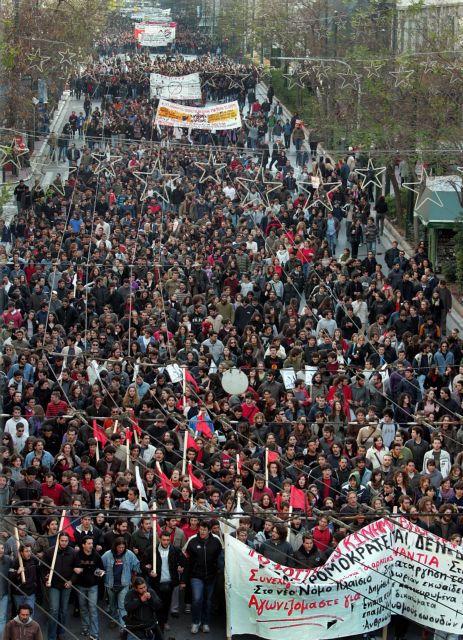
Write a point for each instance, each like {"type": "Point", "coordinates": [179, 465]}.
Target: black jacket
{"type": "Point", "coordinates": [89, 564]}
{"type": "Point", "coordinates": [203, 556]}
{"type": "Point", "coordinates": [314, 558]}
{"type": "Point", "coordinates": [64, 566]}
{"type": "Point", "coordinates": [141, 615]}
{"type": "Point", "coordinates": [174, 559]}
{"type": "Point", "coordinates": [31, 574]}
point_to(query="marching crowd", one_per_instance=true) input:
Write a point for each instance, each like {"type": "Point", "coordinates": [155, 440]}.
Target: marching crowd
{"type": "Point", "coordinates": [153, 255]}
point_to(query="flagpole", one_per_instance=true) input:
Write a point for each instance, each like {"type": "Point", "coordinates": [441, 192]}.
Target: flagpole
{"type": "Point", "coordinates": [155, 537]}
{"type": "Point", "coordinates": [191, 487]}
{"type": "Point", "coordinates": [21, 563]}
{"type": "Point", "coordinates": [266, 467]}
{"type": "Point", "coordinates": [185, 447]}
{"type": "Point", "coordinates": [127, 450]}
{"type": "Point", "coordinates": [55, 550]}
{"type": "Point", "coordinates": [238, 470]}
{"type": "Point", "coordinates": [288, 535]}
{"type": "Point", "coordinates": [184, 388]}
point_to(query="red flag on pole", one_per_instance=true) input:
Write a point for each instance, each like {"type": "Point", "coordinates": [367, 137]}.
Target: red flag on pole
{"type": "Point", "coordinates": [298, 499]}
{"type": "Point", "coordinates": [191, 442]}
{"type": "Point", "coordinates": [164, 480]}
{"type": "Point", "coordinates": [99, 434]}
{"type": "Point", "coordinates": [189, 378]}
{"type": "Point", "coordinates": [273, 456]}
{"type": "Point", "coordinates": [196, 482]}
{"type": "Point", "coordinates": [136, 427]}
{"type": "Point", "coordinates": [128, 436]}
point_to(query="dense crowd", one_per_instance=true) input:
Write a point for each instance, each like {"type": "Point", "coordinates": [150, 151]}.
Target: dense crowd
{"type": "Point", "coordinates": [158, 252]}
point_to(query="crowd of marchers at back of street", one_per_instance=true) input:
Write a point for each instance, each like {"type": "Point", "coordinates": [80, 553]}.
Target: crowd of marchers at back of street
{"type": "Point", "coordinates": [129, 292]}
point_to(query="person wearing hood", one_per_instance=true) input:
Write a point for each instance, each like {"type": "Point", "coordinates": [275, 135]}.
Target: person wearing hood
{"type": "Point", "coordinates": [23, 627]}
{"type": "Point", "coordinates": [308, 556]}
{"type": "Point", "coordinates": [354, 484]}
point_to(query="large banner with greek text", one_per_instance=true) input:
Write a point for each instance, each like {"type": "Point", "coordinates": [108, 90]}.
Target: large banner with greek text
{"type": "Point", "coordinates": [220, 116]}
{"type": "Point", "coordinates": [175, 87]}
{"type": "Point", "coordinates": [381, 570]}
{"type": "Point", "coordinates": [150, 34]}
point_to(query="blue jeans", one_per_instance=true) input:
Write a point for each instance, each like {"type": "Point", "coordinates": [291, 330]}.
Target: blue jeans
{"type": "Point", "coordinates": [88, 598]}
{"type": "Point", "coordinates": [331, 242]}
{"type": "Point", "coordinates": [116, 604]}
{"type": "Point", "coordinates": [201, 600]}
{"type": "Point", "coordinates": [371, 246]}
{"type": "Point", "coordinates": [30, 600]}
{"type": "Point", "coordinates": [3, 611]}
{"type": "Point", "coordinates": [59, 604]}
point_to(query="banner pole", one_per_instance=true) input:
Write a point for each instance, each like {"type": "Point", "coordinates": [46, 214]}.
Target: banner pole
{"type": "Point", "coordinates": [185, 447]}
{"type": "Point", "coordinates": [155, 537]}
{"type": "Point", "coordinates": [55, 551]}
{"type": "Point", "coordinates": [21, 563]}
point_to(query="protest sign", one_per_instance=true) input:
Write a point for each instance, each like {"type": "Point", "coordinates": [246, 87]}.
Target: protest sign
{"type": "Point", "coordinates": [288, 376]}
{"type": "Point", "coordinates": [383, 569]}
{"type": "Point", "coordinates": [152, 34]}
{"type": "Point", "coordinates": [220, 116]}
{"type": "Point", "coordinates": [186, 87]}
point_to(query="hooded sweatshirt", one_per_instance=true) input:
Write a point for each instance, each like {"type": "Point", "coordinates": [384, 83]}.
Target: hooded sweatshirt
{"type": "Point", "coordinates": [17, 630]}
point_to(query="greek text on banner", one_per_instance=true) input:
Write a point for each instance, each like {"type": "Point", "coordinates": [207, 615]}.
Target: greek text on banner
{"type": "Point", "coordinates": [385, 568]}
{"type": "Point", "coordinates": [186, 87]}
{"type": "Point", "coordinates": [222, 116]}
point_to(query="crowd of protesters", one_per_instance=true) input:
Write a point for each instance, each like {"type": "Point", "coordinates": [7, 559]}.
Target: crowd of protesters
{"type": "Point", "coordinates": [152, 255]}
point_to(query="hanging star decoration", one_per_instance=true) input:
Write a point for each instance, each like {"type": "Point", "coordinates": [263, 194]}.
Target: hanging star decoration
{"type": "Point", "coordinates": [57, 186]}
{"type": "Point", "coordinates": [350, 79]}
{"type": "Point", "coordinates": [371, 175]}
{"type": "Point", "coordinates": [374, 68]}
{"type": "Point", "coordinates": [146, 177]}
{"type": "Point", "coordinates": [265, 73]}
{"type": "Point", "coordinates": [429, 65]}
{"type": "Point", "coordinates": [268, 188]}
{"type": "Point", "coordinates": [100, 158]}
{"type": "Point", "coordinates": [420, 190]}
{"type": "Point", "coordinates": [247, 184]}
{"type": "Point", "coordinates": [294, 80]}
{"type": "Point", "coordinates": [37, 60]}
{"type": "Point", "coordinates": [456, 73]}
{"type": "Point", "coordinates": [66, 57]}
{"type": "Point", "coordinates": [402, 77]}
{"type": "Point", "coordinates": [209, 168]}
{"type": "Point", "coordinates": [322, 195]}
{"type": "Point", "coordinates": [11, 154]}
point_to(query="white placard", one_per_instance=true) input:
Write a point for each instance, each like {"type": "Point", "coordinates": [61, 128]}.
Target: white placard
{"type": "Point", "coordinates": [175, 373]}
{"type": "Point", "coordinates": [289, 378]}
{"type": "Point", "coordinates": [309, 374]}
{"type": "Point", "coordinates": [175, 87]}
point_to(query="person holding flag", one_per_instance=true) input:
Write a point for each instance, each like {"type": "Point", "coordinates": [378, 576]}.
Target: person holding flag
{"type": "Point", "coordinates": [201, 424]}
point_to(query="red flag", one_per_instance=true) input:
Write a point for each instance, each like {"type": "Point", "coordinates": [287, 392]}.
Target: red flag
{"type": "Point", "coordinates": [136, 427]}
{"type": "Point", "coordinates": [164, 480]}
{"type": "Point", "coordinates": [67, 527]}
{"type": "Point", "coordinates": [196, 482]}
{"type": "Point", "coordinates": [191, 442]}
{"type": "Point", "coordinates": [99, 434]}
{"type": "Point", "coordinates": [203, 427]}
{"type": "Point", "coordinates": [272, 456]}
{"type": "Point", "coordinates": [298, 499]}
{"type": "Point", "coordinates": [189, 378]}
{"type": "Point", "coordinates": [128, 436]}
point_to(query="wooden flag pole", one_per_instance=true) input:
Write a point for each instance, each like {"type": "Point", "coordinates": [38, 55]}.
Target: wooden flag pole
{"type": "Point", "coordinates": [238, 471]}
{"type": "Point", "coordinates": [155, 538]}
{"type": "Point", "coordinates": [21, 563]}
{"type": "Point", "coordinates": [55, 551]}
{"type": "Point", "coordinates": [289, 525]}
{"type": "Point", "coordinates": [185, 447]}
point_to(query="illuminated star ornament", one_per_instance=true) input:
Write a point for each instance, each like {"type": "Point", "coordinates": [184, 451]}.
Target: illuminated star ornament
{"type": "Point", "coordinates": [268, 188]}
{"type": "Point", "coordinates": [11, 154]}
{"type": "Point", "coordinates": [294, 80]}
{"type": "Point", "coordinates": [351, 80]}
{"type": "Point", "coordinates": [402, 77]}
{"type": "Point", "coordinates": [37, 60]}
{"type": "Point", "coordinates": [210, 167]}
{"type": "Point", "coordinates": [371, 175]}
{"type": "Point", "coordinates": [373, 69]}
{"type": "Point", "coordinates": [146, 176]}
{"type": "Point", "coordinates": [105, 163]}
{"type": "Point", "coordinates": [323, 197]}
{"type": "Point", "coordinates": [66, 57]}
{"type": "Point", "coordinates": [456, 73]}
{"type": "Point", "coordinates": [420, 190]}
